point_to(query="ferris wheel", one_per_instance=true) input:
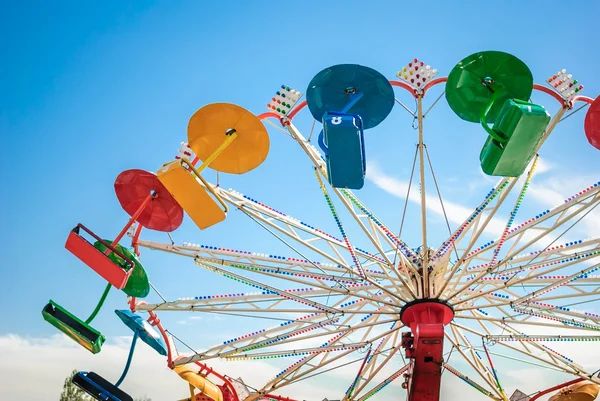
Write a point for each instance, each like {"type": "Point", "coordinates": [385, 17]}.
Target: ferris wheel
{"type": "Point", "coordinates": [424, 305]}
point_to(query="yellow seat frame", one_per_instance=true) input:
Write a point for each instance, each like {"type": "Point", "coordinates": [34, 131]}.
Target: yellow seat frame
{"type": "Point", "coordinates": [181, 180]}
{"type": "Point", "coordinates": [199, 382]}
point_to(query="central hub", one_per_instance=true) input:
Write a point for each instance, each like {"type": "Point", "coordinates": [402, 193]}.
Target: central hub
{"type": "Point", "coordinates": [424, 346]}
{"type": "Point", "coordinates": [429, 311]}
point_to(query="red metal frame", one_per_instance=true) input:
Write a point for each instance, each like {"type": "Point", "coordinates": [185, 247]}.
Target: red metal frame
{"type": "Point", "coordinates": [433, 83]}
{"type": "Point", "coordinates": [278, 397]}
{"type": "Point", "coordinates": [424, 347]}
{"type": "Point", "coordinates": [560, 99]}
{"type": "Point", "coordinates": [413, 91]}
{"type": "Point", "coordinates": [155, 321]}
{"type": "Point", "coordinates": [299, 107]}
{"type": "Point", "coordinates": [406, 86]}
{"type": "Point", "coordinates": [226, 382]}
{"type": "Point", "coordinates": [96, 260]}
{"type": "Point", "coordinates": [551, 389]}
{"type": "Point", "coordinates": [134, 217]}
{"type": "Point", "coordinates": [284, 120]}
{"type": "Point", "coordinates": [135, 239]}
{"type": "Point", "coordinates": [550, 92]}
{"type": "Point", "coordinates": [204, 369]}
{"type": "Point", "coordinates": [426, 88]}
{"type": "Point", "coordinates": [584, 99]}
{"type": "Point", "coordinates": [304, 103]}
{"type": "Point", "coordinates": [268, 114]}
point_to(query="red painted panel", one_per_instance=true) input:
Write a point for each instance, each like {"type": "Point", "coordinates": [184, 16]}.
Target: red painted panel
{"type": "Point", "coordinates": [96, 260]}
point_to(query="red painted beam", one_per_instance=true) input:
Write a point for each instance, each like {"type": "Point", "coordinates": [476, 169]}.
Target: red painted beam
{"type": "Point", "coordinates": [551, 389]}
{"type": "Point", "coordinates": [424, 347]}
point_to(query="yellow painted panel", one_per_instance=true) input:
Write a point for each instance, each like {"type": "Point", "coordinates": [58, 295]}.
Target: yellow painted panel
{"type": "Point", "coordinates": [191, 196]}
{"type": "Point", "coordinates": [582, 391]}
{"type": "Point", "coordinates": [203, 385]}
{"type": "Point", "coordinates": [207, 131]}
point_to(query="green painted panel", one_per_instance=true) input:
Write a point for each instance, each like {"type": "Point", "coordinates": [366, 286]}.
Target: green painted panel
{"type": "Point", "coordinates": [523, 125]}
{"type": "Point", "coordinates": [79, 331]}
{"type": "Point", "coordinates": [468, 96]}
{"type": "Point", "coordinates": [137, 285]}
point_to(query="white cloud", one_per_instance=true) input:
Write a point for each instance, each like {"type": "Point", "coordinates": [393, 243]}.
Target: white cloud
{"type": "Point", "coordinates": [191, 319]}
{"type": "Point", "coordinates": [456, 213]}
{"type": "Point", "coordinates": [551, 192]}
{"type": "Point", "coordinates": [543, 166]}
{"type": "Point", "coordinates": [34, 369]}
{"type": "Point", "coordinates": [547, 193]}
{"type": "Point", "coordinates": [582, 352]}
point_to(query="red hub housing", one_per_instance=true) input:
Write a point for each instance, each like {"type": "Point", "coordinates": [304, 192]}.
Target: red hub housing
{"type": "Point", "coordinates": [424, 346]}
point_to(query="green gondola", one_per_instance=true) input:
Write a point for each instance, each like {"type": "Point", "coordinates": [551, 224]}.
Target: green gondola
{"type": "Point", "coordinates": [73, 327]}
{"type": "Point", "coordinates": [81, 331]}
{"type": "Point", "coordinates": [494, 88]}
{"type": "Point", "coordinates": [517, 133]}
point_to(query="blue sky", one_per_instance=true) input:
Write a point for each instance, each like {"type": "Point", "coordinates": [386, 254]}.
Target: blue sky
{"type": "Point", "coordinates": [88, 89]}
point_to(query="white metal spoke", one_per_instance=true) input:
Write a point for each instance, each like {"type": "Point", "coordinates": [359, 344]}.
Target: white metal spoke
{"type": "Point", "coordinates": [296, 370]}
{"type": "Point", "coordinates": [472, 360]}
{"type": "Point", "coordinates": [543, 224]}
{"type": "Point", "coordinates": [298, 352]}
{"type": "Point", "coordinates": [504, 321]}
{"type": "Point", "coordinates": [333, 296]}
{"type": "Point", "coordinates": [471, 382]}
{"type": "Point", "coordinates": [265, 287]}
{"type": "Point", "coordinates": [293, 330]}
{"type": "Point", "coordinates": [487, 208]}
{"type": "Point", "coordinates": [551, 357]}
{"type": "Point", "coordinates": [384, 383]}
{"type": "Point", "coordinates": [372, 368]}
{"type": "Point", "coordinates": [559, 338]}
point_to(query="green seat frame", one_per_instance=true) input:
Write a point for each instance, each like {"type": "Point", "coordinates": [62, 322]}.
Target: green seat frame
{"type": "Point", "coordinates": [514, 138]}
{"type": "Point", "coordinates": [73, 327]}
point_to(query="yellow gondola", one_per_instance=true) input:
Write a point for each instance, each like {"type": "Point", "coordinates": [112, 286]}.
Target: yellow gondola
{"type": "Point", "coordinates": [582, 391]}
{"type": "Point", "coordinates": [199, 382]}
{"type": "Point", "coordinates": [227, 138]}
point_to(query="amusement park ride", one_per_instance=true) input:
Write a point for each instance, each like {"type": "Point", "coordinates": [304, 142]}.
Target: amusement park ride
{"type": "Point", "coordinates": [398, 304]}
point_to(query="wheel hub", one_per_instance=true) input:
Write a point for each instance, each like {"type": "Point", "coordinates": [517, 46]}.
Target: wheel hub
{"type": "Point", "coordinates": [424, 346]}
